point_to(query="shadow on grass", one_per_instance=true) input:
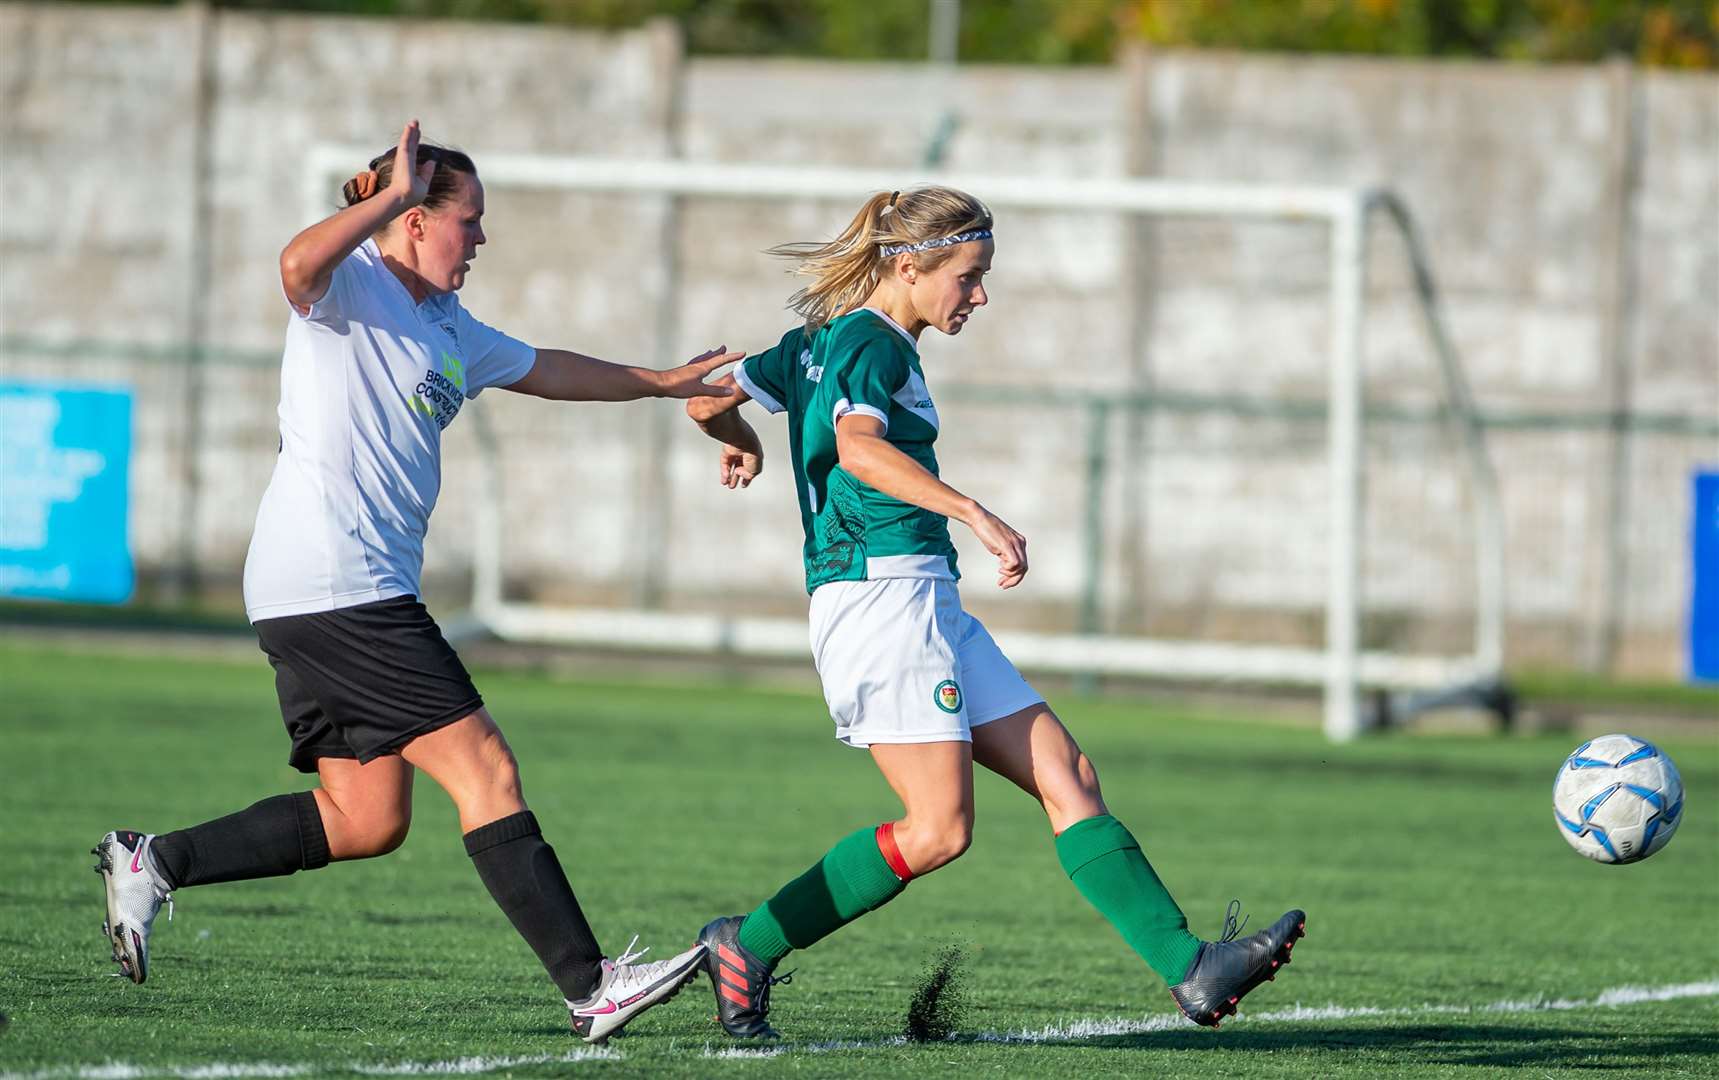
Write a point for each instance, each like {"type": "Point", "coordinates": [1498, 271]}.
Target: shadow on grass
{"type": "Point", "coordinates": [22, 900]}
{"type": "Point", "coordinates": [390, 918]}
{"type": "Point", "coordinates": [250, 911]}
{"type": "Point", "coordinates": [1487, 1045]}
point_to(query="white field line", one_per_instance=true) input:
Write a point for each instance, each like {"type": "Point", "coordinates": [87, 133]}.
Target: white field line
{"type": "Point", "coordinates": [1301, 1014]}
{"type": "Point", "coordinates": [1079, 1029]}
{"type": "Point", "coordinates": [467, 1066]}
{"type": "Point", "coordinates": [1295, 1014]}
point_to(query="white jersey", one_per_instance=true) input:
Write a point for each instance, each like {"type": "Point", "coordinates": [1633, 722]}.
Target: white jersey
{"type": "Point", "coordinates": [369, 379]}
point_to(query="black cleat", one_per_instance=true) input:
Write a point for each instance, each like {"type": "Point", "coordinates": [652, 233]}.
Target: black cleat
{"type": "Point", "coordinates": [1225, 970]}
{"type": "Point", "coordinates": [741, 981]}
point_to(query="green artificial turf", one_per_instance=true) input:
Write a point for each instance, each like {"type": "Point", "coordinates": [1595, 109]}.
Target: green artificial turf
{"type": "Point", "coordinates": [1451, 932]}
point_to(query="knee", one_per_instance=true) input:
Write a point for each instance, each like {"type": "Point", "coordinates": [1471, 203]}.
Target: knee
{"type": "Point", "coordinates": [1074, 795]}
{"type": "Point", "coordinates": [942, 844]}
{"type": "Point", "coordinates": [371, 833]}
{"type": "Point", "coordinates": [957, 840]}
{"type": "Point", "coordinates": [504, 773]}
{"type": "Point", "coordinates": [388, 835]}
{"type": "Point", "coordinates": [488, 773]}
{"type": "Point", "coordinates": [1086, 779]}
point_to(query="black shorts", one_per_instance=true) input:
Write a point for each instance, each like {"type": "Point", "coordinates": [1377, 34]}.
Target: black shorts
{"type": "Point", "coordinates": [363, 681]}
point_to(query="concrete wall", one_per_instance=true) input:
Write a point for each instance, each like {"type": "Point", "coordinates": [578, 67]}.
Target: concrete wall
{"type": "Point", "coordinates": [1573, 217]}
{"type": "Point", "coordinates": [1573, 214]}
{"type": "Point", "coordinates": [108, 207]}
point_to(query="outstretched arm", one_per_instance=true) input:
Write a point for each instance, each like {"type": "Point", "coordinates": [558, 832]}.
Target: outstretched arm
{"type": "Point", "coordinates": [742, 456]}
{"type": "Point", "coordinates": [706, 412]}
{"type": "Point", "coordinates": [863, 452]}
{"type": "Point", "coordinates": [308, 262]}
{"type": "Point", "coordinates": [569, 376]}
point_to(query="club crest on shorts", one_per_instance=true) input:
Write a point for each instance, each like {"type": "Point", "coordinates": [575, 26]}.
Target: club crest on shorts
{"type": "Point", "coordinates": [947, 696]}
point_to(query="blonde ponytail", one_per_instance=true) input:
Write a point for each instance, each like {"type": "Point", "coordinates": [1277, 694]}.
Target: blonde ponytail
{"type": "Point", "coordinates": [846, 270]}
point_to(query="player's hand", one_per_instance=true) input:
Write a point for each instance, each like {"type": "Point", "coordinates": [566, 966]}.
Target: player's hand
{"type": "Point", "coordinates": [687, 381]}
{"type": "Point", "coordinates": [739, 467]}
{"type": "Point", "coordinates": [1009, 546]}
{"type": "Point", "coordinates": [409, 181]}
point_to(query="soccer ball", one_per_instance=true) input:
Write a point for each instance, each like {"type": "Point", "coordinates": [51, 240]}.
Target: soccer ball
{"type": "Point", "coordinates": [1617, 799]}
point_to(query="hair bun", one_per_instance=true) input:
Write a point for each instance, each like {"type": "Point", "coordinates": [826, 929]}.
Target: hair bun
{"type": "Point", "coordinates": [360, 187]}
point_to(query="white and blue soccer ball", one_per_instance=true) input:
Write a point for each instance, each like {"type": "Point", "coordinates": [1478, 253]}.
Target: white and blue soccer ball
{"type": "Point", "coordinates": [1617, 799]}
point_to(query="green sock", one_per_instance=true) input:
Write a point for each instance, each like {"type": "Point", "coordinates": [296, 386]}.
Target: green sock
{"type": "Point", "coordinates": [1106, 864]}
{"type": "Point", "coordinates": [852, 879]}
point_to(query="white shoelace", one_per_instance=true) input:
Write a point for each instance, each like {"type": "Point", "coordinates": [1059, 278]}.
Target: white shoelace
{"type": "Point", "coordinates": [625, 971]}
{"type": "Point", "coordinates": [620, 970]}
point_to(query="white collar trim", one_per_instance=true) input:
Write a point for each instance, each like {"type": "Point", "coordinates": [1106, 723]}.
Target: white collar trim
{"type": "Point", "coordinates": [893, 325]}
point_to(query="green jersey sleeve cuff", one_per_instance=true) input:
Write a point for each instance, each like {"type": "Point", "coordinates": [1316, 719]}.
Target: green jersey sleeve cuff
{"type": "Point", "coordinates": [755, 392]}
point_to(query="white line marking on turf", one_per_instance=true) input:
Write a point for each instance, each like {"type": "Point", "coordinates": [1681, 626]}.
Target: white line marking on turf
{"type": "Point", "coordinates": [472, 1066]}
{"type": "Point", "coordinates": [1295, 1014]}
{"type": "Point", "coordinates": [1300, 1014]}
{"type": "Point", "coordinates": [468, 1066]}
{"type": "Point", "coordinates": [1080, 1029]}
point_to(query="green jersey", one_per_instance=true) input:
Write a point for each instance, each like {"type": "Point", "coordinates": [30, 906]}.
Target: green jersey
{"type": "Point", "coordinates": [862, 363]}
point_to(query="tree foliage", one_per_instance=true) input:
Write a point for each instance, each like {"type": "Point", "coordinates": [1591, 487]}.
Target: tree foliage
{"type": "Point", "coordinates": [1672, 33]}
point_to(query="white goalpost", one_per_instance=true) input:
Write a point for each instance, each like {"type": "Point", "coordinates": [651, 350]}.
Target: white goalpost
{"type": "Point", "coordinates": [1340, 666]}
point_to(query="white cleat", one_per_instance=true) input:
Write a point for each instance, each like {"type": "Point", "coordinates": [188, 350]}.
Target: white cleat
{"type": "Point", "coordinates": [134, 898]}
{"type": "Point", "coordinates": [627, 989]}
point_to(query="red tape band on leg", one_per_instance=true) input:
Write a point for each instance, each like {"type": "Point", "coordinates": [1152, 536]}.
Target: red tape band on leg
{"type": "Point", "coordinates": [891, 853]}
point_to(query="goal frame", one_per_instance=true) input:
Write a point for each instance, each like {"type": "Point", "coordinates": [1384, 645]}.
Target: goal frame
{"type": "Point", "coordinates": [1340, 666]}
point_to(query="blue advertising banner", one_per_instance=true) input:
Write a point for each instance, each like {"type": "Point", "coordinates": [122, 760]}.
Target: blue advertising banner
{"type": "Point", "coordinates": [65, 456]}
{"type": "Point", "coordinates": [1704, 592]}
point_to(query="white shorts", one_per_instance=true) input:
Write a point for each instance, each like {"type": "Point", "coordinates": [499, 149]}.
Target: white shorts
{"type": "Point", "coordinates": [902, 663]}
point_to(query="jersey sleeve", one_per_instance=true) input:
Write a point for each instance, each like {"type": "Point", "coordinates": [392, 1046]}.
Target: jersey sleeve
{"type": "Point", "coordinates": [492, 357]}
{"type": "Point", "coordinates": [766, 376]}
{"type": "Point", "coordinates": [865, 383]}
{"type": "Point", "coordinates": [335, 306]}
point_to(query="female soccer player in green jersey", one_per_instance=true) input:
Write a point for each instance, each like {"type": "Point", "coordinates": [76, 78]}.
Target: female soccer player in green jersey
{"type": "Point", "coordinates": [907, 673]}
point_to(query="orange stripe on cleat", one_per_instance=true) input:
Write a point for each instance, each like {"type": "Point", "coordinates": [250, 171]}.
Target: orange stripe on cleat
{"type": "Point", "coordinates": [731, 958]}
{"type": "Point", "coordinates": [735, 996]}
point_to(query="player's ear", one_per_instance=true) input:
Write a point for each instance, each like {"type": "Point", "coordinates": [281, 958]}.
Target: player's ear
{"type": "Point", "coordinates": [413, 222]}
{"type": "Point", "coordinates": [905, 271]}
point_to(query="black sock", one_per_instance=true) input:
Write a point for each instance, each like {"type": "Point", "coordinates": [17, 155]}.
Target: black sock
{"type": "Point", "coordinates": [276, 836]}
{"type": "Point", "coordinates": [524, 876]}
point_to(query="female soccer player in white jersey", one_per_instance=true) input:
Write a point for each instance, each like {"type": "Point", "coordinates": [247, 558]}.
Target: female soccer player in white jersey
{"type": "Point", "coordinates": [906, 672]}
{"type": "Point", "coordinates": [380, 356]}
